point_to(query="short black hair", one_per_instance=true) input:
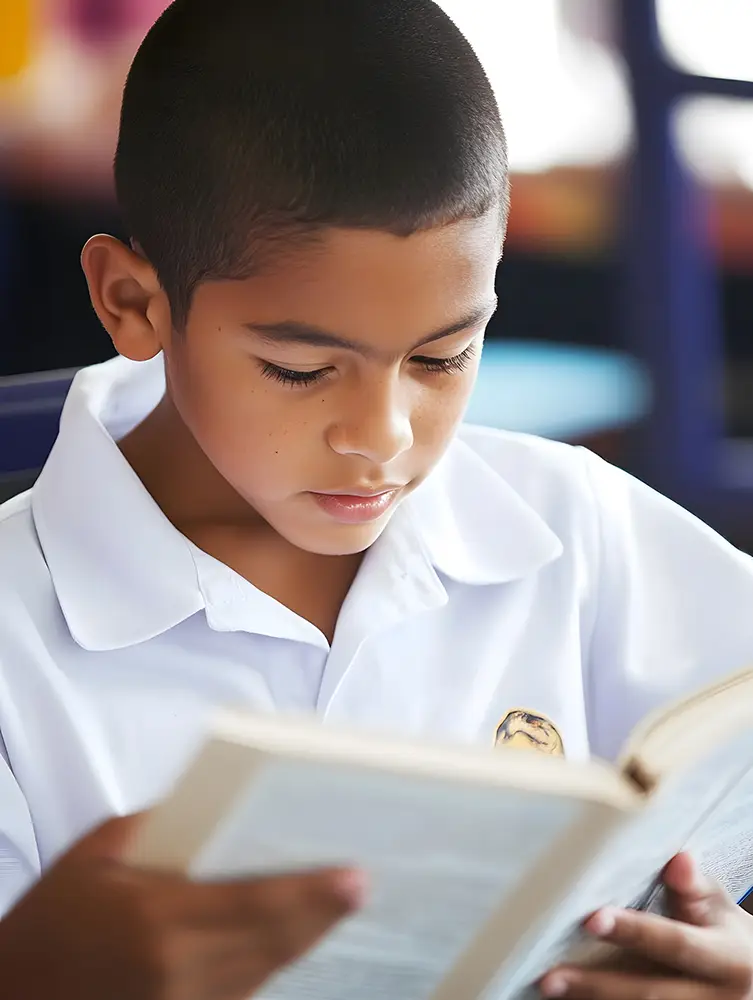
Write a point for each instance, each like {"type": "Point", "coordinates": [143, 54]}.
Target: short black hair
{"type": "Point", "coordinates": [246, 124]}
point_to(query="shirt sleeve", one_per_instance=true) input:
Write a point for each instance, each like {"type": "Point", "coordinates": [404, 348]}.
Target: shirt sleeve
{"type": "Point", "coordinates": [19, 859]}
{"type": "Point", "coordinates": [674, 606]}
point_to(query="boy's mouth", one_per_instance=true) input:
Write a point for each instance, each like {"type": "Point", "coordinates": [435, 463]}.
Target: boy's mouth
{"type": "Point", "coordinates": [358, 507]}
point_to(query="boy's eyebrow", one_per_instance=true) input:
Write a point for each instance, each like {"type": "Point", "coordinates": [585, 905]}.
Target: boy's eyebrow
{"type": "Point", "coordinates": [294, 332]}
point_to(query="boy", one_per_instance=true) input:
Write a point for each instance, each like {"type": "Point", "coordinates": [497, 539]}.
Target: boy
{"type": "Point", "coordinates": [266, 501]}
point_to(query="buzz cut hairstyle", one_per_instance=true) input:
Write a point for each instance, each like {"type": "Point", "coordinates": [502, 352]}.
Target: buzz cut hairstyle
{"type": "Point", "coordinates": [250, 126]}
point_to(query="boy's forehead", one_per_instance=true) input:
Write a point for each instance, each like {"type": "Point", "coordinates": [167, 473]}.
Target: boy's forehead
{"type": "Point", "coordinates": [363, 281]}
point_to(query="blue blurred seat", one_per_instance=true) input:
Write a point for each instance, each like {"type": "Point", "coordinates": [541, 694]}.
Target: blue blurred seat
{"type": "Point", "coordinates": [549, 389]}
{"type": "Point", "coordinates": [557, 390]}
{"type": "Point", "coordinates": [30, 408]}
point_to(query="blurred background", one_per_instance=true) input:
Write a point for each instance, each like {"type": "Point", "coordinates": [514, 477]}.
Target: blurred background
{"type": "Point", "coordinates": [627, 285]}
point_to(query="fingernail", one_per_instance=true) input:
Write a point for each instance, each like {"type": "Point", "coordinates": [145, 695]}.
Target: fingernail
{"type": "Point", "coordinates": [555, 986]}
{"type": "Point", "coordinates": [602, 924]}
{"type": "Point", "coordinates": [351, 886]}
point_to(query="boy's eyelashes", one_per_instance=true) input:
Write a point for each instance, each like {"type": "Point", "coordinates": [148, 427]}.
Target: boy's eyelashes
{"type": "Point", "coordinates": [298, 379]}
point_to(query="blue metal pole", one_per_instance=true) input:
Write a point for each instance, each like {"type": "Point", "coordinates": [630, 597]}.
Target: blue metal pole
{"type": "Point", "coordinates": [671, 300]}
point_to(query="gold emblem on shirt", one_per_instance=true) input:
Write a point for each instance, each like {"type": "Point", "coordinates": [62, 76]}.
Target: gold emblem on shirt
{"type": "Point", "coordinates": [524, 730]}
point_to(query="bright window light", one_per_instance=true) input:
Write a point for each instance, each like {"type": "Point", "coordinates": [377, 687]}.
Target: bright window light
{"type": "Point", "coordinates": [715, 136]}
{"type": "Point", "coordinates": [709, 37]}
{"type": "Point", "coordinates": [564, 99]}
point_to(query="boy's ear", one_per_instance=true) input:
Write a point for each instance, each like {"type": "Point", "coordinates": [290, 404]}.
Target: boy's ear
{"type": "Point", "coordinates": [127, 297]}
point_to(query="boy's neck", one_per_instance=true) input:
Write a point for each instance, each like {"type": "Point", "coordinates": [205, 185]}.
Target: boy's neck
{"type": "Point", "coordinates": [207, 510]}
{"type": "Point", "coordinates": [179, 476]}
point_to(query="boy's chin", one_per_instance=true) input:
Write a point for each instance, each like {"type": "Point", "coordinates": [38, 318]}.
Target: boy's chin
{"type": "Point", "coordinates": [338, 539]}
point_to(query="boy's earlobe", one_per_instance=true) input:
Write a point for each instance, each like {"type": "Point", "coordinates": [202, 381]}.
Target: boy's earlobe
{"type": "Point", "coordinates": [127, 297]}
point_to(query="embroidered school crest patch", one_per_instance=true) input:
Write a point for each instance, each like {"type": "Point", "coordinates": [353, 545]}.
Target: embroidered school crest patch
{"type": "Point", "coordinates": [524, 730]}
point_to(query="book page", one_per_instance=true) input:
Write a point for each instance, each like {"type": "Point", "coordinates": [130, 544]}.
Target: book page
{"type": "Point", "coordinates": [723, 843]}
{"type": "Point", "coordinates": [707, 809]}
{"type": "Point", "coordinates": [668, 738]}
{"type": "Point", "coordinates": [440, 856]}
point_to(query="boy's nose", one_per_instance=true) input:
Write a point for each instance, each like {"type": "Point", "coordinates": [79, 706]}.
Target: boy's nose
{"type": "Point", "coordinates": [377, 426]}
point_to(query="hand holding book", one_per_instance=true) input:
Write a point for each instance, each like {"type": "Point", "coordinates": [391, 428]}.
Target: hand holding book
{"type": "Point", "coordinates": [139, 935]}
{"type": "Point", "coordinates": [705, 952]}
{"type": "Point", "coordinates": [483, 864]}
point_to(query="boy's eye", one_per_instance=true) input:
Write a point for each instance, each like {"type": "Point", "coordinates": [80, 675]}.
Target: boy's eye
{"type": "Point", "coordinates": [296, 379]}
{"type": "Point", "coordinates": [449, 366]}
{"type": "Point", "coordinates": [293, 378]}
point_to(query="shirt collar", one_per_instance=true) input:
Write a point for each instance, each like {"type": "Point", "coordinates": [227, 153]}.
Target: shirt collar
{"type": "Point", "coordinates": [123, 574]}
{"type": "Point", "coordinates": [475, 527]}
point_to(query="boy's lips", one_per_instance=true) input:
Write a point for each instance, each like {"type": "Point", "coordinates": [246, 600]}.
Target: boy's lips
{"type": "Point", "coordinates": [357, 506]}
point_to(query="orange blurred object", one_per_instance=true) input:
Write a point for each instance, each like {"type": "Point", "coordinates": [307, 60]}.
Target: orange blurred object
{"type": "Point", "coordinates": [15, 36]}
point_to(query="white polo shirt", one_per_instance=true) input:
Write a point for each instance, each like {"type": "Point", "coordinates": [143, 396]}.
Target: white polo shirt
{"type": "Point", "coordinates": [522, 574]}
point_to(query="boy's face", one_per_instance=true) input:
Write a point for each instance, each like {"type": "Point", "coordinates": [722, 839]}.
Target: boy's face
{"type": "Point", "coordinates": [326, 389]}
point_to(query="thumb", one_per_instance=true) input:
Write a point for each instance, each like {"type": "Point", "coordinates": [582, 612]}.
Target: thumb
{"type": "Point", "coordinates": [107, 842]}
{"type": "Point", "coordinates": [693, 898]}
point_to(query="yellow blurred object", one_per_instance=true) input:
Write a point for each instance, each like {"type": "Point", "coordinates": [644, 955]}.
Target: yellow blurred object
{"type": "Point", "coordinates": [15, 36]}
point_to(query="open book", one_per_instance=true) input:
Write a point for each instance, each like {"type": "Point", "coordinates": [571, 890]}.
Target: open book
{"type": "Point", "coordinates": [482, 863]}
